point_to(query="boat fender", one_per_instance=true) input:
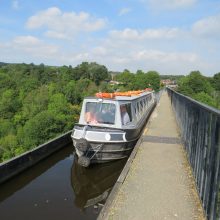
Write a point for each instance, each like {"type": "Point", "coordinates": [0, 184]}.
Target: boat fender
{"type": "Point", "coordinates": [84, 161]}
{"type": "Point", "coordinates": [82, 145]}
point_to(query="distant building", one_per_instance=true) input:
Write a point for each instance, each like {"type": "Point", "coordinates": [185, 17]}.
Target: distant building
{"type": "Point", "coordinates": [169, 83]}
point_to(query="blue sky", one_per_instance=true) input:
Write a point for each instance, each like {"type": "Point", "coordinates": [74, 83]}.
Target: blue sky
{"type": "Point", "coordinates": [169, 36]}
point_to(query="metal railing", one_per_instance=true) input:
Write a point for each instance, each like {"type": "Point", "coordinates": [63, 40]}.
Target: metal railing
{"type": "Point", "coordinates": [158, 95]}
{"type": "Point", "coordinates": [199, 126]}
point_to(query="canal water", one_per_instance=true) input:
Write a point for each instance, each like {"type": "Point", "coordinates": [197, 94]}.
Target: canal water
{"type": "Point", "coordinates": [58, 188]}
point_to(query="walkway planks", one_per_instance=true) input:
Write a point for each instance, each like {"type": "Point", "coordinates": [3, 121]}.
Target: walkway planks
{"type": "Point", "coordinates": [159, 184]}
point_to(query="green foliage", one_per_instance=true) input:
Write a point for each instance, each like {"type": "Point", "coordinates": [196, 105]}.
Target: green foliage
{"type": "Point", "coordinates": [171, 77]}
{"type": "Point", "coordinates": [194, 83]}
{"type": "Point", "coordinates": [216, 81]}
{"type": "Point", "coordinates": [153, 80]}
{"type": "Point", "coordinates": [98, 73]}
{"type": "Point", "coordinates": [39, 102]}
{"type": "Point", "coordinates": [127, 78]}
{"type": "Point", "coordinates": [9, 144]}
{"type": "Point", "coordinates": [205, 98]}
{"type": "Point", "coordinates": [200, 88]}
{"type": "Point", "coordinates": [9, 104]}
{"type": "Point", "coordinates": [138, 81]}
{"type": "Point", "coordinates": [41, 128]}
{"type": "Point", "coordinates": [6, 127]}
{"type": "Point", "coordinates": [105, 87]}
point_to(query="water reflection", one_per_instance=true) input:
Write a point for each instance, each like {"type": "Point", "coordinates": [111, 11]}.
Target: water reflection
{"type": "Point", "coordinates": [26, 177]}
{"type": "Point", "coordinates": [58, 188]}
{"type": "Point", "coordinates": [92, 185]}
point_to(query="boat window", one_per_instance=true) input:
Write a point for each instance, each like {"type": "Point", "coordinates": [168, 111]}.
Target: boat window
{"type": "Point", "coordinates": [100, 113]}
{"type": "Point", "coordinates": [147, 99]}
{"type": "Point", "coordinates": [144, 103]}
{"type": "Point", "coordinates": [140, 108]}
{"type": "Point", "coordinates": [141, 103]}
{"type": "Point", "coordinates": [126, 115]}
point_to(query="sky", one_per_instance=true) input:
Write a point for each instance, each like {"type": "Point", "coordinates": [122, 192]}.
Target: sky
{"type": "Point", "coordinates": [167, 36]}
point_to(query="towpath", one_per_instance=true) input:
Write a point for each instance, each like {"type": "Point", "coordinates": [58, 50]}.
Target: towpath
{"type": "Point", "coordinates": [159, 184]}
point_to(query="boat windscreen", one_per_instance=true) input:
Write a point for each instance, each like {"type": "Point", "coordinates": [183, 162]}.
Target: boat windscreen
{"type": "Point", "coordinates": [100, 113]}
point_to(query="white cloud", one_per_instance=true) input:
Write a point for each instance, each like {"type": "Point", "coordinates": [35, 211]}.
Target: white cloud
{"type": "Point", "coordinates": [100, 51]}
{"type": "Point", "coordinates": [166, 49]}
{"type": "Point", "coordinates": [133, 34]}
{"type": "Point", "coordinates": [165, 57]}
{"type": "Point", "coordinates": [169, 4]}
{"type": "Point", "coordinates": [124, 11]}
{"type": "Point", "coordinates": [207, 27]}
{"type": "Point", "coordinates": [64, 25]}
{"type": "Point", "coordinates": [26, 41]}
{"type": "Point", "coordinates": [148, 59]}
{"type": "Point", "coordinates": [15, 5]}
{"type": "Point", "coordinates": [32, 46]}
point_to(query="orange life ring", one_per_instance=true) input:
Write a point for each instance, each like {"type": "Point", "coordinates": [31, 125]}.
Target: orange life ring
{"type": "Point", "coordinates": [122, 94]}
{"type": "Point", "coordinates": [128, 93]}
{"type": "Point", "coordinates": [105, 95]}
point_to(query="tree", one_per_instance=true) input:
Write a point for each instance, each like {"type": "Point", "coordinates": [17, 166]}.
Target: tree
{"type": "Point", "coordinates": [6, 82]}
{"type": "Point", "coordinates": [194, 83]}
{"type": "Point", "coordinates": [6, 127]}
{"type": "Point", "coordinates": [9, 104]}
{"type": "Point", "coordinates": [58, 104]}
{"type": "Point", "coordinates": [205, 98]}
{"type": "Point", "coordinates": [153, 80]}
{"type": "Point", "coordinates": [35, 102]}
{"type": "Point", "coordinates": [41, 128]}
{"type": "Point", "coordinates": [216, 81]}
{"type": "Point", "coordinates": [83, 70]}
{"type": "Point", "coordinates": [9, 144]}
{"type": "Point", "coordinates": [71, 93]}
{"type": "Point", "coordinates": [199, 87]}
{"type": "Point", "coordinates": [127, 78]}
{"type": "Point", "coordinates": [98, 73]}
{"type": "Point", "coordinates": [140, 81]}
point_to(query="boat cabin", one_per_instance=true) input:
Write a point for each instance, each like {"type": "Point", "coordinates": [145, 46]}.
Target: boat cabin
{"type": "Point", "coordinates": [118, 112]}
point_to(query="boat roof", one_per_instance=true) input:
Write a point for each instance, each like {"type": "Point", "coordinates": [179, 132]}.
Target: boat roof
{"type": "Point", "coordinates": [120, 98]}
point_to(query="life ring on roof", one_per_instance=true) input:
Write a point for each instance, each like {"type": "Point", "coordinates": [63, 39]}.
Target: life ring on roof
{"type": "Point", "coordinates": [122, 94]}
{"type": "Point", "coordinates": [112, 95]}
{"type": "Point", "coordinates": [133, 93]}
{"type": "Point", "coordinates": [105, 95]}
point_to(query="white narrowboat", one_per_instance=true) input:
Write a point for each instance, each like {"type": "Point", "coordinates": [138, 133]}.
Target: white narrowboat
{"type": "Point", "coordinates": [109, 127]}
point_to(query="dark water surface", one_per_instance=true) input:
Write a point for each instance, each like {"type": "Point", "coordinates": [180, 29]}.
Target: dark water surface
{"type": "Point", "coordinates": [58, 188]}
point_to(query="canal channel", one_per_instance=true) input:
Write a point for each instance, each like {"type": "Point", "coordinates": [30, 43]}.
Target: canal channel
{"type": "Point", "coordinates": [58, 188]}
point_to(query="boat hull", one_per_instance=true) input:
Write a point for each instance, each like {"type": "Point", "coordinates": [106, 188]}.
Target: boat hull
{"type": "Point", "coordinates": [107, 152]}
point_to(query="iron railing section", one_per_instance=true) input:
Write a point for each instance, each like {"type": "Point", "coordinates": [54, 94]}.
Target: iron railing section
{"type": "Point", "coordinates": [199, 126]}
{"type": "Point", "coordinates": [158, 95]}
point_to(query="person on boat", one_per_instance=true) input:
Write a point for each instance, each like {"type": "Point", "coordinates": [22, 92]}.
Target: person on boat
{"type": "Point", "coordinates": [90, 116]}
{"type": "Point", "coordinates": [124, 115]}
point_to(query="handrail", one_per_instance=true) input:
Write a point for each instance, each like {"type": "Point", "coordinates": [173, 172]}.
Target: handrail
{"type": "Point", "coordinates": [199, 126]}
{"type": "Point", "coordinates": [202, 105]}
